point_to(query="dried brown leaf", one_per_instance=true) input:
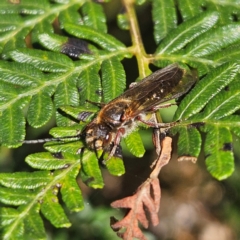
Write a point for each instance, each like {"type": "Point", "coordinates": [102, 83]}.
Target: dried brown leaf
{"type": "Point", "coordinates": [147, 196]}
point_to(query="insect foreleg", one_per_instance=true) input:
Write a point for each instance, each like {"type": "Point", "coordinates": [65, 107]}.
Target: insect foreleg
{"type": "Point", "coordinates": [116, 143]}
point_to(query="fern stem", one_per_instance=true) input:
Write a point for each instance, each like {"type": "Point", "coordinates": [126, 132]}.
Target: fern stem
{"type": "Point", "coordinates": [137, 43]}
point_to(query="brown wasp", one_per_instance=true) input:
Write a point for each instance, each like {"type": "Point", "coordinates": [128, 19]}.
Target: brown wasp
{"type": "Point", "coordinates": [123, 114]}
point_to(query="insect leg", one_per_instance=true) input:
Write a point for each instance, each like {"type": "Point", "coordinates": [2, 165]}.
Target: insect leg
{"type": "Point", "coordinates": [156, 140]}
{"type": "Point", "coordinates": [157, 137]}
{"type": "Point", "coordinates": [155, 124]}
{"type": "Point", "coordinates": [116, 143]}
{"type": "Point", "coordinates": [163, 106]}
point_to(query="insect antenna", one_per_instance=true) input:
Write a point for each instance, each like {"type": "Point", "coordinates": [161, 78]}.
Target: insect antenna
{"type": "Point", "coordinates": [59, 139]}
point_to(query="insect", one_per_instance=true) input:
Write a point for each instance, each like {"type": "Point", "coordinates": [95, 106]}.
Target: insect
{"type": "Point", "coordinates": [123, 114]}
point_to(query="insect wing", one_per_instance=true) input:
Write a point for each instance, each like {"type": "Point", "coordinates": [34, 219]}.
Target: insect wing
{"type": "Point", "coordinates": [159, 87]}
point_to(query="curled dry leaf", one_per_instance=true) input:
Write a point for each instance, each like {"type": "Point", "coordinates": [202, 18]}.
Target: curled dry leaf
{"type": "Point", "coordinates": [147, 196]}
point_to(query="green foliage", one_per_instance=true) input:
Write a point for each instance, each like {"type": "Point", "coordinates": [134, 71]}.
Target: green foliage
{"type": "Point", "coordinates": [201, 107]}
{"type": "Point", "coordinates": [41, 78]}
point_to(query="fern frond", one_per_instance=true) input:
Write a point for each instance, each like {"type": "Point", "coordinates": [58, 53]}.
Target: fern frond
{"type": "Point", "coordinates": [38, 191]}
{"type": "Point", "coordinates": [206, 89]}
{"type": "Point", "coordinates": [112, 69]}
{"type": "Point", "coordinates": [186, 32]}
{"type": "Point", "coordinates": [226, 9]}
{"type": "Point", "coordinates": [206, 116]}
{"type": "Point", "coordinates": [58, 54]}
{"type": "Point", "coordinates": [219, 40]}
{"type": "Point", "coordinates": [164, 17]}
{"type": "Point", "coordinates": [90, 172]}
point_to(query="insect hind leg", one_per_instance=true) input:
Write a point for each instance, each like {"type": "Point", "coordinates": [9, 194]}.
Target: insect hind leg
{"type": "Point", "coordinates": [156, 124]}
{"type": "Point", "coordinates": [166, 105]}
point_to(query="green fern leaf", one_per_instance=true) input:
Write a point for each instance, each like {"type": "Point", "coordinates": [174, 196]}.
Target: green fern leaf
{"type": "Point", "coordinates": [45, 198]}
{"type": "Point", "coordinates": [90, 171]}
{"type": "Point", "coordinates": [12, 124]}
{"type": "Point", "coordinates": [226, 10]}
{"type": "Point", "coordinates": [93, 16]}
{"type": "Point", "coordinates": [186, 32]}
{"type": "Point", "coordinates": [47, 161]}
{"type": "Point", "coordinates": [232, 122]}
{"type": "Point", "coordinates": [227, 54]}
{"type": "Point", "coordinates": [11, 232]}
{"type": "Point", "coordinates": [70, 145]}
{"type": "Point", "coordinates": [66, 94]}
{"type": "Point", "coordinates": [189, 141]}
{"type": "Point", "coordinates": [8, 23]}
{"type": "Point", "coordinates": [53, 211]}
{"type": "Point", "coordinates": [115, 165]}
{"type": "Point", "coordinates": [72, 130]}
{"type": "Point", "coordinates": [51, 41]}
{"type": "Point", "coordinates": [218, 151]}
{"type": "Point", "coordinates": [113, 79]}
{"type": "Point", "coordinates": [24, 180]}
{"type": "Point", "coordinates": [104, 40]}
{"type": "Point", "coordinates": [76, 112]}
{"type": "Point", "coordinates": [33, 224]}
{"type": "Point", "coordinates": [206, 45]}
{"type": "Point", "coordinates": [134, 143]}
{"type": "Point", "coordinates": [70, 15]}
{"type": "Point", "coordinates": [71, 194]}
{"type": "Point", "coordinates": [123, 22]}
{"type": "Point", "coordinates": [27, 7]}
{"type": "Point", "coordinates": [15, 37]}
{"type": "Point", "coordinates": [206, 89]}
{"type": "Point", "coordinates": [31, 228]}
{"type": "Point", "coordinates": [189, 9]}
{"type": "Point", "coordinates": [35, 116]}
{"type": "Point", "coordinates": [224, 104]}
{"type": "Point", "coordinates": [89, 84]}
{"type": "Point", "coordinates": [15, 197]}
{"type": "Point", "coordinates": [164, 17]}
{"type": "Point", "coordinates": [7, 215]}
{"type": "Point", "coordinates": [20, 74]}
{"type": "Point", "coordinates": [43, 60]}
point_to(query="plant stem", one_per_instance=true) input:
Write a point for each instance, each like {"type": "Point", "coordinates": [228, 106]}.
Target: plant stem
{"type": "Point", "coordinates": [138, 47]}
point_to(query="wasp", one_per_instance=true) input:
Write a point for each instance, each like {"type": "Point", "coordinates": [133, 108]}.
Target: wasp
{"type": "Point", "coordinates": [122, 115]}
